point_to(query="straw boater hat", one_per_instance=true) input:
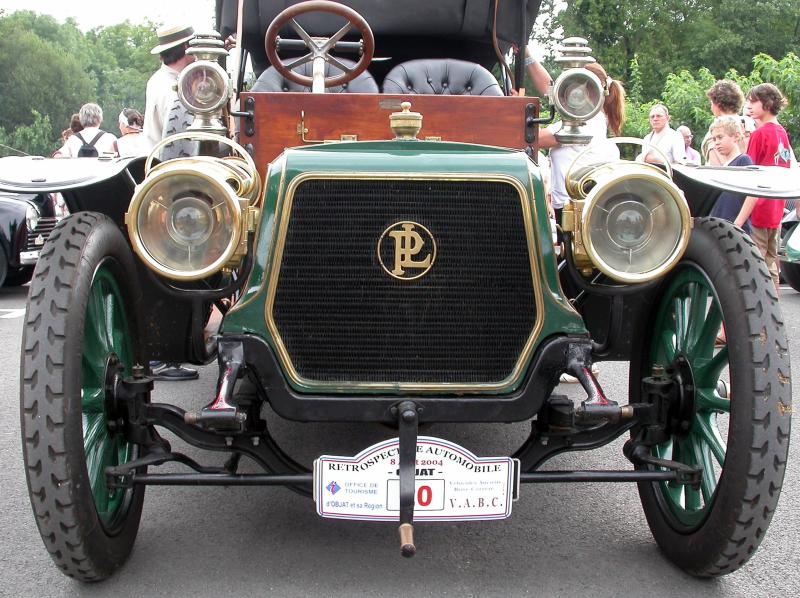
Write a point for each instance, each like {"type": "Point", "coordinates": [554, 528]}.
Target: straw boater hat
{"type": "Point", "coordinates": [169, 37]}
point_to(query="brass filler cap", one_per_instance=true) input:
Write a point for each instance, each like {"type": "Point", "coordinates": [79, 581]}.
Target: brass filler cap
{"type": "Point", "coordinates": [405, 124]}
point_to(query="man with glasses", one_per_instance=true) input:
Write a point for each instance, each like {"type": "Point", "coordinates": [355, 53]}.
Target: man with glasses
{"type": "Point", "coordinates": [663, 137]}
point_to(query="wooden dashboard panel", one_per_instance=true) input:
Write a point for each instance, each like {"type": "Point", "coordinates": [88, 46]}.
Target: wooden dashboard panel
{"type": "Point", "coordinates": [280, 117]}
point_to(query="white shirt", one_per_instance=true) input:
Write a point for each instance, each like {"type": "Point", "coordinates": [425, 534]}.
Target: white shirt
{"type": "Point", "coordinates": [104, 145]}
{"type": "Point", "coordinates": [159, 97]}
{"type": "Point", "coordinates": [561, 157]}
{"type": "Point", "coordinates": [669, 141]}
{"type": "Point", "coordinates": [132, 144]}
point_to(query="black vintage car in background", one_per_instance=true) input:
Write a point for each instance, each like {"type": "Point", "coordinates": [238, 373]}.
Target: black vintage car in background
{"type": "Point", "coordinates": [25, 224]}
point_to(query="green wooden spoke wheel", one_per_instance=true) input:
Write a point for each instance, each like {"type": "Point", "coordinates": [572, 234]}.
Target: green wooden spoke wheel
{"type": "Point", "coordinates": [106, 342]}
{"type": "Point", "coordinates": [685, 330]}
{"type": "Point", "coordinates": [733, 418]}
{"type": "Point", "coordinates": [80, 331]}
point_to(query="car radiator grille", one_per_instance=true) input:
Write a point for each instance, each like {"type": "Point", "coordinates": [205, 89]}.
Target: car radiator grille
{"type": "Point", "coordinates": [343, 318]}
{"type": "Point", "coordinates": [37, 237]}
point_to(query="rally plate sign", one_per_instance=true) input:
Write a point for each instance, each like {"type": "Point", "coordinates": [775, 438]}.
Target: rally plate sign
{"type": "Point", "coordinates": [452, 484]}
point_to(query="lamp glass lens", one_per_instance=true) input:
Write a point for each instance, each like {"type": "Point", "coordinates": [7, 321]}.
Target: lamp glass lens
{"type": "Point", "coordinates": [635, 226]}
{"type": "Point", "coordinates": [579, 95]}
{"type": "Point", "coordinates": [190, 220]}
{"type": "Point", "coordinates": [203, 88]}
{"type": "Point", "coordinates": [185, 223]}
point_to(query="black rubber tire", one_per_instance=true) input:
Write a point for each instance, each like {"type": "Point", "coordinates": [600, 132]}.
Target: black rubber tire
{"type": "Point", "coordinates": [51, 402]}
{"type": "Point", "coordinates": [790, 273]}
{"type": "Point", "coordinates": [178, 120]}
{"type": "Point", "coordinates": [759, 424]}
{"type": "Point", "coordinates": [19, 277]}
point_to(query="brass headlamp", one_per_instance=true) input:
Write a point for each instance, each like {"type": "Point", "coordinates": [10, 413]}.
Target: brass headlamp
{"type": "Point", "coordinates": [190, 217]}
{"type": "Point", "coordinates": [578, 94]}
{"type": "Point", "coordinates": [628, 219]}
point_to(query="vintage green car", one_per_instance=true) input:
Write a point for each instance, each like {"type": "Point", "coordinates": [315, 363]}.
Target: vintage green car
{"type": "Point", "coordinates": [379, 247]}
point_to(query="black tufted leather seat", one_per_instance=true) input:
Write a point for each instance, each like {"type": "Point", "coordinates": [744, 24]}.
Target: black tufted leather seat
{"type": "Point", "coordinates": [272, 80]}
{"type": "Point", "coordinates": [441, 76]}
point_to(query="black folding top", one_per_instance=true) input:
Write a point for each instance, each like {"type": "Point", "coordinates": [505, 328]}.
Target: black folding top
{"type": "Point", "coordinates": [403, 30]}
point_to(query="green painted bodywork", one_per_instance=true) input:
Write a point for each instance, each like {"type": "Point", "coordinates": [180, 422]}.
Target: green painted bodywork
{"type": "Point", "coordinates": [400, 157]}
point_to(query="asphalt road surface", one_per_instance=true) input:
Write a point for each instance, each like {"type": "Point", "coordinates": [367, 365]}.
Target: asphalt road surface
{"type": "Point", "coordinates": [561, 540]}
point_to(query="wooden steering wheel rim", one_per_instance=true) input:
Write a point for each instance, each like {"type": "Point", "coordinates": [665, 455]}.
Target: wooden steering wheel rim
{"type": "Point", "coordinates": [350, 15]}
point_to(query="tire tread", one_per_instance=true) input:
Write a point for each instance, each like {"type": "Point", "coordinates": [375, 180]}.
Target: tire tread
{"type": "Point", "coordinates": [43, 401]}
{"type": "Point", "coordinates": [771, 388]}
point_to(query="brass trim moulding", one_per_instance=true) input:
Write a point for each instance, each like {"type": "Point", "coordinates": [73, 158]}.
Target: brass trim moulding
{"type": "Point", "coordinates": [565, 303]}
{"type": "Point", "coordinates": [260, 231]}
{"type": "Point", "coordinates": [302, 130]}
{"type": "Point", "coordinates": [529, 215]}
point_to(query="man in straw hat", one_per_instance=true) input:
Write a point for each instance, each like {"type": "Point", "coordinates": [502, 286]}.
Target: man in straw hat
{"type": "Point", "coordinates": [161, 94]}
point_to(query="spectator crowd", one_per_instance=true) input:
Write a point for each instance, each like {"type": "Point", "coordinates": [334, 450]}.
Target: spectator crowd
{"type": "Point", "coordinates": [745, 131]}
{"type": "Point", "coordinates": [138, 133]}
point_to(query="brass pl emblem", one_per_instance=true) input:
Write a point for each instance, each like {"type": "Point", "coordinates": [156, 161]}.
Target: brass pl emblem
{"type": "Point", "coordinates": [406, 250]}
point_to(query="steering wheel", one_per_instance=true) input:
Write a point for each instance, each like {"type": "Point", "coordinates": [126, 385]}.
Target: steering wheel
{"type": "Point", "coordinates": [320, 48]}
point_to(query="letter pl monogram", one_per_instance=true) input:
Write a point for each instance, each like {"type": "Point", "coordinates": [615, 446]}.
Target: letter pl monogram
{"type": "Point", "coordinates": [414, 250]}
{"type": "Point", "coordinates": [407, 244]}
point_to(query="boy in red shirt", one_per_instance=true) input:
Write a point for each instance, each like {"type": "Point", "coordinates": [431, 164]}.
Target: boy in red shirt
{"type": "Point", "coordinates": [768, 146]}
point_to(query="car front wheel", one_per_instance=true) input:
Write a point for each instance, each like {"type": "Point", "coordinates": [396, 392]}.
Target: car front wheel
{"type": "Point", "coordinates": [79, 328]}
{"type": "Point", "coordinates": [716, 327]}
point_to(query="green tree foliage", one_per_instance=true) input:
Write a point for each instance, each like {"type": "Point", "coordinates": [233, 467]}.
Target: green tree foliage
{"type": "Point", "coordinates": [635, 81]}
{"type": "Point", "coordinates": [685, 95]}
{"type": "Point", "coordinates": [668, 36]}
{"type": "Point", "coordinates": [51, 69]}
{"type": "Point", "coordinates": [120, 62]}
{"type": "Point", "coordinates": [37, 75]}
{"type": "Point", "coordinates": [36, 138]}
{"type": "Point", "coordinates": [621, 31]}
